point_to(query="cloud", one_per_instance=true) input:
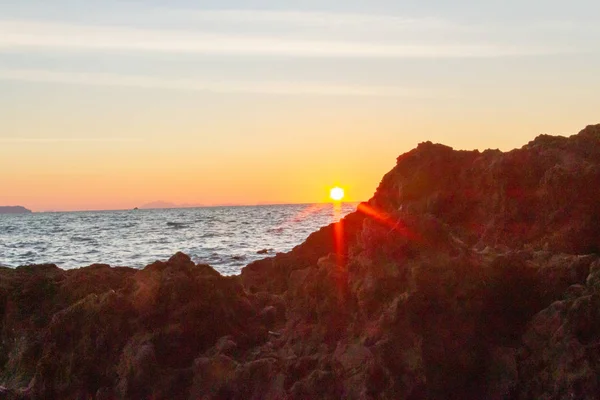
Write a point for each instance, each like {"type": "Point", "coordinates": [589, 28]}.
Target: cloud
{"type": "Point", "coordinates": [32, 35]}
{"type": "Point", "coordinates": [66, 140]}
{"type": "Point", "coordinates": [272, 88]}
{"type": "Point", "coordinates": [307, 19]}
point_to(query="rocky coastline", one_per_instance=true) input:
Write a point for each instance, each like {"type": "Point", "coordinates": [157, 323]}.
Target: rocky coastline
{"type": "Point", "coordinates": [468, 275]}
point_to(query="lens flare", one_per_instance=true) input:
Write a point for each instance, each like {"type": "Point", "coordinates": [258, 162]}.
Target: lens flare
{"type": "Point", "coordinates": [336, 193]}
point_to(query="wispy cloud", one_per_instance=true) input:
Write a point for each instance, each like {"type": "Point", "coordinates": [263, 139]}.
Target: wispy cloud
{"type": "Point", "coordinates": [31, 35]}
{"type": "Point", "coordinates": [41, 140]}
{"type": "Point", "coordinates": [307, 19]}
{"type": "Point", "coordinates": [330, 19]}
{"type": "Point", "coordinates": [273, 88]}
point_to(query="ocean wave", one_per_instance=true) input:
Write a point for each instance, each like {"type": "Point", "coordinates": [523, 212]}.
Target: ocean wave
{"type": "Point", "coordinates": [177, 225]}
{"type": "Point", "coordinates": [22, 245]}
{"type": "Point", "coordinates": [225, 238]}
{"type": "Point", "coordinates": [82, 239]}
{"type": "Point", "coordinates": [158, 241]}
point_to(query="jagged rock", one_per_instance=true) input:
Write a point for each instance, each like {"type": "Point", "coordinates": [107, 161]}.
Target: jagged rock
{"type": "Point", "coordinates": [135, 334]}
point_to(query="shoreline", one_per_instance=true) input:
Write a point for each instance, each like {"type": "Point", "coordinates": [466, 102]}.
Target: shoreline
{"type": "Point", "coordinates": [227, 238]}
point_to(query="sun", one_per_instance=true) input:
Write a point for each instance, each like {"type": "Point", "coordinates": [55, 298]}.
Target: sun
{"type": "Point", "coordinates": [336, 193]}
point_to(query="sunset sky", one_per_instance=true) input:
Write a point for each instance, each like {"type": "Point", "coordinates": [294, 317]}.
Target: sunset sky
{"type": "Point", "coordinates": [113, 104]}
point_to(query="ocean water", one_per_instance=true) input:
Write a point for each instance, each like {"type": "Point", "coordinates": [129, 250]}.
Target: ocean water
{"type": "Point", "coordinates": [228, 238]}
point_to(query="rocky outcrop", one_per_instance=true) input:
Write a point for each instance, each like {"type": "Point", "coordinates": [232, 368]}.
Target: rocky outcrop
{"type": "Point", "coordinates": [101, 332]}
{"type": "Point", "coordinates": [468, 275]}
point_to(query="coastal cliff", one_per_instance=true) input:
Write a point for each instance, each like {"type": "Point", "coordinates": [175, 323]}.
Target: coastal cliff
{"type": "Point", "coordinates": [468, 275]}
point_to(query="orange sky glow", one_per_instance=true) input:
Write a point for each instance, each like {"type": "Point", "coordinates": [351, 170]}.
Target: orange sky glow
{"type": "Point", "coordinates": [113, 105]}
{"type": "Point", "coordinates": [260, 169]}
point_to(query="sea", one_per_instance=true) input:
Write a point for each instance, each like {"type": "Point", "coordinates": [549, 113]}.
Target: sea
{"type": "Point", "coordinates": [227, 238]}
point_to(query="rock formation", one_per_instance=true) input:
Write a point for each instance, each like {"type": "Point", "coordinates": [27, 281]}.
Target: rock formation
{"type": "Point", "coordinates": [468, 275]}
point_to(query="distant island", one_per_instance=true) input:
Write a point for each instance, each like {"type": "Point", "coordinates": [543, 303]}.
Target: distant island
{"type": "Point", "coordinates": [167, 204]}
{"type": "Point", "coordinates": [14, 210]}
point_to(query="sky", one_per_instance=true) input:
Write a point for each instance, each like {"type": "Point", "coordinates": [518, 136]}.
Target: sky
{"type": "Point", "coordinates": [114, 104]}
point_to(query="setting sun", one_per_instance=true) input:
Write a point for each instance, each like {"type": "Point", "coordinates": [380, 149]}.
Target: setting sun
{"type": "Point", "coordinates": [336, 193]}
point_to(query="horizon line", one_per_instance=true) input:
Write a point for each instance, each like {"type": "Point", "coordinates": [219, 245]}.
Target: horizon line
{"type": "Point", "coordinates": [179, 207]}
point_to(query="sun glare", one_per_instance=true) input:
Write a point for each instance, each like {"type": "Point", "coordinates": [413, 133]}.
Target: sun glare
{"type": "Point", "coordinates": [336, 193]}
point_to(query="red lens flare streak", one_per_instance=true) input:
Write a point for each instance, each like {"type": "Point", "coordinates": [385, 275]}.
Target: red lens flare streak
{"type": "Point", "coordinates": [338, 236]}
{"type": "Point", "coordinates": [303, 214]}
{"type": "Point", "coordinates": [394, 224]}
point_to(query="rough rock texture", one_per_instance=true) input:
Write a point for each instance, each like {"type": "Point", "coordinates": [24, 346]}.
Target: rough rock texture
{"type": "Point", "coordinates": [101, 332]}
{"type": "Point", "coordinates": [469, 275]}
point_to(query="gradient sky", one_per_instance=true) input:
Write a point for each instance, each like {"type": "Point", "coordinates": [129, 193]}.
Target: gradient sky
{"type": "Point", "coordinates": [113, 104]}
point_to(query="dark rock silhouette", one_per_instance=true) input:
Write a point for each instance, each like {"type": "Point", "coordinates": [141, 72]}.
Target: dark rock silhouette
{"type": "Point", "coordinates": [468, 275]}
{"type": "Point", "coordinates": [14, 210]}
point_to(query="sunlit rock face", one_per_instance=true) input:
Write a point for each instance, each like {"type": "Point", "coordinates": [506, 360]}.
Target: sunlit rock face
{"type": "Point", "coordinates": [468, 275]}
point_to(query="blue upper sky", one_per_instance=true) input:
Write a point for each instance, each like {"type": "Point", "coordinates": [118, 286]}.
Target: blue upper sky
{"type": "Point", "coordinates": [341, 46]}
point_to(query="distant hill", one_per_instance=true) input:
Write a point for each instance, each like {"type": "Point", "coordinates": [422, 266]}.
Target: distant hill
{"type": "Point", "coordinates": [159, 204]}
{"type": "Point", "coordinates": [14, 210]}
{"type": "Point", "coordinates": [166, 204]}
